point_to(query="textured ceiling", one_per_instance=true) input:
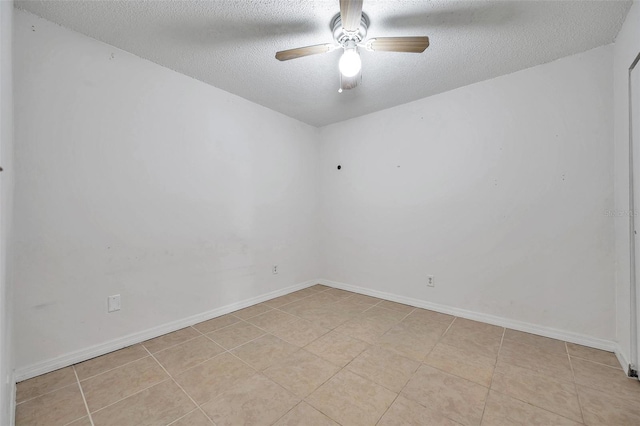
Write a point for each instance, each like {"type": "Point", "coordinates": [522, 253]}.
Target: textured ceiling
{"type": "Point", "coordinates": [231, 44]}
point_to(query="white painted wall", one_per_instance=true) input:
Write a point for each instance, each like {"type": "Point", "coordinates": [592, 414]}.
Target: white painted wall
{"type": "Point", "coordinates": [7, 387]}
{"type": "Point", "coordinates": [137, 180]}
{"type": "Point", "coordinates": [499, 189]}
{"type": "Point", "coordinates": [626, 48]}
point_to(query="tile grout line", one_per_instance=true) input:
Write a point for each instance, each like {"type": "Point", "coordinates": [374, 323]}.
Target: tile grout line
{"type": "Point", "coordinates": [534, 405]}
{"type": "Point", "coordinates": [111, 369]}
{"type": "Point", "coordinates": [438, 341]}
{"type": "Point", "coordinates": [420, 363]}
{"type": "Point", "coordinates": [353, 372]}
{"type": "Point", "coordinates": [182, 417]}
{"type": "Point", "coordinates": [484, 408]}
{"type": "Point", "coordinates": [322, 384]}
{"type": "Point", "coordinates": [86, 406]}
{"type": "Point", "coordinates": [595, 362]}
{"type": "Point", "coordinates": [575, 386]}
{"type": "Point", "coordinates": [128, 396]}
{"type": "Point", "coordinates": [182, 389]}
{"type": "Point", "coordinates": [47, 392]}
{"type": "Point", "coordinates": [173, 346]}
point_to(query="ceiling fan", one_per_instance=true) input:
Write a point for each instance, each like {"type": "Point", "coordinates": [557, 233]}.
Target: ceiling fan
{"type": "Point", "coordinates": [349, 30]}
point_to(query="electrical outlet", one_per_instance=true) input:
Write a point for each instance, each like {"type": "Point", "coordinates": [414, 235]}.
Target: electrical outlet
{"type": "Point", "coordinates": [431, 281]}
{"type": "Point", "coordinates": [113, 303]}
{"type": "Point", "coordinates": [274, 269]}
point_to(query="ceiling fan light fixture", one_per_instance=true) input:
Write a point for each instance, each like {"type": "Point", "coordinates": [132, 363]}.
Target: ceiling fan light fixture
{"type": "Point", "coordinates": [350, 62]}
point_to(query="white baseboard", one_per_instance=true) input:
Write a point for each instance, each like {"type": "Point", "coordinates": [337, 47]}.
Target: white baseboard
{"type": "Point", "coordinates": [71, 358]}
{"type": "Point", "coordinates": [131, 339]}
{"type": "Point", "coordinates": [554, 333]}
{"type": "Point", "coordinates": [12, 400]}
{"type": "Point", "coordinates": [622, 358]}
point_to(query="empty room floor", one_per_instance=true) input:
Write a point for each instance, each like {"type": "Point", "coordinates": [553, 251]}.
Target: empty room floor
{"type": "Point", "coordinates": [324, 356]}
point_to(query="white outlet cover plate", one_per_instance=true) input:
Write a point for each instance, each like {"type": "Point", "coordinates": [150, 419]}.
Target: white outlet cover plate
{"type": "Point", "coordinates": [113, 303]}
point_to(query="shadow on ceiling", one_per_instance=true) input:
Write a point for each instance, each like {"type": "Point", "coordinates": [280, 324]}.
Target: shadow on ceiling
{"type": "Point", "coordinates": [488, 15]}
{"type": "Point", "coordinates": [211, 33]}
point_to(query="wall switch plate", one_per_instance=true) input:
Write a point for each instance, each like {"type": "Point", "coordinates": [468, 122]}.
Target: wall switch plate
{"type": "Point", "coordinates": [431, 281]}
{"type": "Point", "coordinates": [274, 269]}
{"type": "Point", "coordinates": [113, 303]}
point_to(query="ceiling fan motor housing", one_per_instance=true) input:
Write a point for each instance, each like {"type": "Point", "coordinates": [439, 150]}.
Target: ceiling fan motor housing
{"type": "Point", "coordinates": [343, 37]}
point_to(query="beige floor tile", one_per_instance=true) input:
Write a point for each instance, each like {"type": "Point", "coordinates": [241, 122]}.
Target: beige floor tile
{"type": "Point", "coordinates": [325, 316]}
{"type": "Point", "coordinates": [453, 397]}
{"type": "Point", "coordinates": [59, 407]}
{"type": "Point", "coordinates": [194, 418]}
{"type": "Point", "coordinates": [349, 307]}
{"type": "Point", "coordinates": [404, 412]}
{"type": "Point", "coordinates": [351, 400]}
{"type": "Point", "coordinates": [607, 409]}
{"type": "Point", "coordinates": [535, 359]}
{"type": "Point", "coordinates": [45, 383]}
{"type": "Point", "coordinates": [385, 314]}
{"type": "Point", "coordinates": [384, 367]}
{"type": "Point", "coordinates": [216, 323]}
{"type": "Point", "coordinates": [425, 326]}
{"type": "Point", "coordinates": [595, 355]}
{"type": "Point", "coordinates": [363, 299]}
{"type": "Point", "coordinates": [271, 320]}
{"type": "Point", "coordinates": [341, 294]}
{"type": "Point", "coordinates": [367, 329]}
{"type": "Point", "coordinates": [304, 414]}
{"type": "Point", "coordinates": [319, 287]}
{"type": "Point", "coordinates": [502, 410]}
{"type": "Point", "coordinates": [485, 343]}
{"type": "Point", "coordinates": [542, 343]}
{"type": "Point", "coordinates": [419, 315]}
{"type": "Point", "coordinates": [257, 401]}
{"type": "Point", "coordinates": [301, 373]}
{"type": "Point", "coordinates": [298, 307]}
{"type": "Point", "coordinates": [170, 339]}
{"type": "Point", "coordinates": [209, 379]}
{"type": "Point", "coordinates": [235, 335]}
{"type": "Point", "coordinates": [477, 326]}
{"type": "Point", "coordinates": [605, 379]}
{"type": "Point", "coordinates": [325, 298]}
{"type": "Point", "coordinates": [544, 392]}
{"type": "Point", "coordinates": [531, 379]}
{"type": "Point", "coordinates": [405, 309]}
{"type": "Point", "coordinates": [337, 348]}
{"type": "Point", "coordinates": [252, 311]}
{"type": "Point", "coordinates": [189, 354]}
{"type": "Point", "coordinates": [264, 351]}
{"type": "Point", "coordinates": [299, 332]}
{"type": "Point", "coordinates": [158, 405]}
{"type": "Point", "coordinates": [282, 300]}
{"type": "Point", "coordinates": [113, 385]}
{"type": "Point", "coordinates": [463, 363]}
{"type": "Point", "coordinates": [305, 292]}
{"type": "Point", "coordinates": [81, 422]}
{"type": "Point", "coordinates": [409, 340]}
{"type": "Point", "coordinates": [109, 361]}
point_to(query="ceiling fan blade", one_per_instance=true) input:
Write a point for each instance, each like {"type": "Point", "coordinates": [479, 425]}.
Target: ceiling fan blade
{"type": "Point", "coordinates": [285, 55]}
{"type": "Point", "coordinates": [398, 44]}
{"type": "Point", "coordinates": [350, 14]}
{"type": "Point", "coordinates": [347, 83]}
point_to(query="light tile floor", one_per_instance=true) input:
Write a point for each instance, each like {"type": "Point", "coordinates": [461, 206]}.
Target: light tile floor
{"type": "Point", "coordinates": [323, 356]}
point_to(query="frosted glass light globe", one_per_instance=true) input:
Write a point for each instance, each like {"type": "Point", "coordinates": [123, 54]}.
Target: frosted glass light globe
{"type": "Point", "coordinates": [350, 63]}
